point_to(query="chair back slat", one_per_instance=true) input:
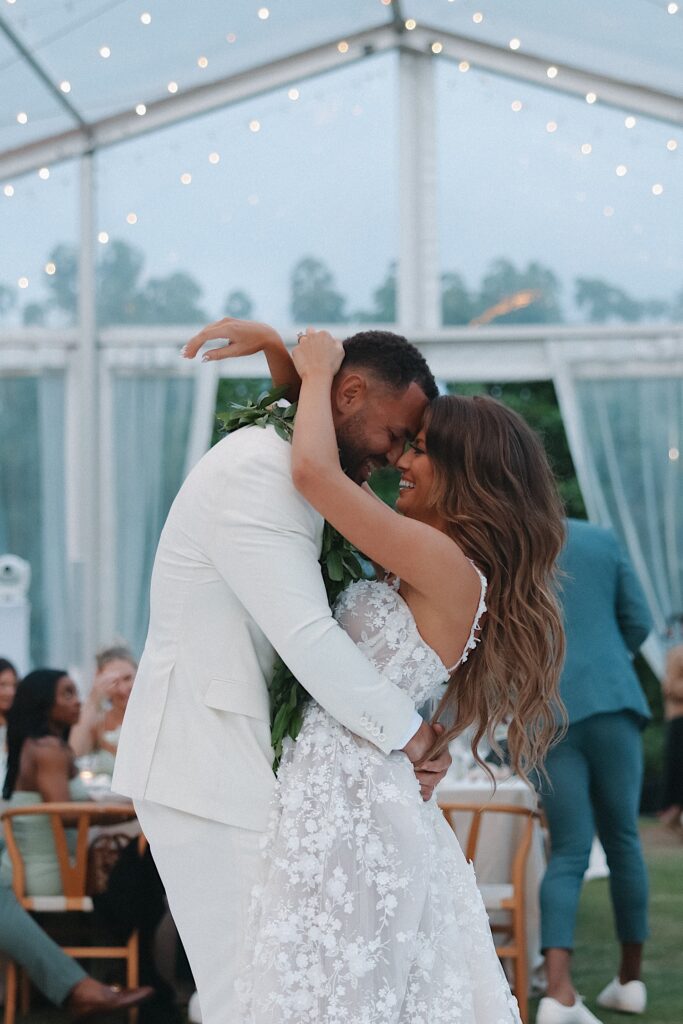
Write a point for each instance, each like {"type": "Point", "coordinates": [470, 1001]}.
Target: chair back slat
{"type": "Point", "coordinates": [73, 870]}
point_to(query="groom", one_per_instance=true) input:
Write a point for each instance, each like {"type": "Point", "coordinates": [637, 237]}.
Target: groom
{"type": "Point", "coordinates": [236, 579]}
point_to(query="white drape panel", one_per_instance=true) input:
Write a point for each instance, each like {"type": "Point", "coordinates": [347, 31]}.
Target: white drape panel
{"type": "Point", "coordinates": [32, 505]}
{"type": "Point", "coordinates": [151, 425]}
{"type": "Point", "coordinates": [626, 436]}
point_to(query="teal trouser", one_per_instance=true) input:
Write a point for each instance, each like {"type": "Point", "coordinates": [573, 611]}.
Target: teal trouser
{"type": "Point", "coordinates": [51, 970]}
{"type": "Point", "coordinates": [596, 776]}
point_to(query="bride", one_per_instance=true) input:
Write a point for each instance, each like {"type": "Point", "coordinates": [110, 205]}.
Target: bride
{"type": "Point", "coordinates": [369, 913]}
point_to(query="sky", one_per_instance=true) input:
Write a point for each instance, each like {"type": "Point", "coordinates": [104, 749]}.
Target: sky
{"type": "Point", "coordinates": [314, 172]}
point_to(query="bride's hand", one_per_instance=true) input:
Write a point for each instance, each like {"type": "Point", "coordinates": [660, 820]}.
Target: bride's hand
{"type": "Point", "coordinates": [242, 337]}
{"type": "Point", "coordinates": [317, 354]}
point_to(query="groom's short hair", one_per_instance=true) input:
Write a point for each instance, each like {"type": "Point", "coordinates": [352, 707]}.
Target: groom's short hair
{"type": "Point", "coordinates": [391, 359]}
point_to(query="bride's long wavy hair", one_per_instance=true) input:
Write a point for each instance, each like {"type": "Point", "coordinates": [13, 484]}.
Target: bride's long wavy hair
{"type": "Point", "coordinates": [495, 490]}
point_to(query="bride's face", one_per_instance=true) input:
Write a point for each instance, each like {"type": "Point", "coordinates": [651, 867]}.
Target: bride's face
{"type": "Point", "coordinates": [417, 478]}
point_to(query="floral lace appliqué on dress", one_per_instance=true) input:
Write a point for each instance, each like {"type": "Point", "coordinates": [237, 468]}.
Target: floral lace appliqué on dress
{"type": "Point", "coordinates": [369, 913]}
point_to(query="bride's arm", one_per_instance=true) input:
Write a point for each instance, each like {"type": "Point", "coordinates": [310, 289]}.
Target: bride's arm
{"type": "Point", "coordinates": [421, 555]}
{"type": "Point", "coordinates": [244, 338]}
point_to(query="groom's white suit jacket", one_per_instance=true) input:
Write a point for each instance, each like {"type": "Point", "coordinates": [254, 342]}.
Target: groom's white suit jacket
{"type": "Point", "coordinates": [236, 578]}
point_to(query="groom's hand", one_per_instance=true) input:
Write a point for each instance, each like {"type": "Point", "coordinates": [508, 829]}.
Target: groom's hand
{"type": "Point", "coordinates": [429, 773]}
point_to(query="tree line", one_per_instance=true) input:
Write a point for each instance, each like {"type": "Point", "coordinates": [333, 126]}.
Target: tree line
{"type": "Point", "coordinates": [506, 294]}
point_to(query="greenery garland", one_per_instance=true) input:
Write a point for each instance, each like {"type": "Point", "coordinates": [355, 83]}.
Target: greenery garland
{"type": "Point", "coordinates": [339, 563]}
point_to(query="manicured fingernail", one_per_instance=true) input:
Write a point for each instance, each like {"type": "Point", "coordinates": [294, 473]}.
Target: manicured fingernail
{"type": "Point", "coordinates": [206, 358]}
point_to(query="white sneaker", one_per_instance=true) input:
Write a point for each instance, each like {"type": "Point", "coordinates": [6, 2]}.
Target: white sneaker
{"type": "Point", "coordinates": [551, 1012]}
{"type": "Point", "coordinates": [628, 998]}
{"type": "Point", "coordinates": [194, 1014]}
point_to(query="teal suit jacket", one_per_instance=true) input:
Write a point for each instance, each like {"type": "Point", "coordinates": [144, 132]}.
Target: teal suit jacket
{"type": "Point", "coordinates": [606, 619]}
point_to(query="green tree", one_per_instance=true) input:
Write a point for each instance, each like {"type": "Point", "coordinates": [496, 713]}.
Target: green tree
{"type": "Point", "coordinates": [504, 281]}
{"type": "Point", "coordinates": [172, 300]}
{"type": "Point", "coordinates": [603, 301]}
{"type": "Point", "coordinates": [239, 304]}
{"type": "Point", "coordinates": [314, 299]}
{"type": "Point", "coordinates": [8, 298]}
{"type": "Point", "coordinates": [537, 403]}
{"type": "Point", "coordinates": [62, 286]}
{"type": "Point", "coordinates": [118, 281]}
{"type": "Point", "coordinates": [457, 305]}
{"type": "Point", "coordinates": [384, 298]}
{"type": "Point", "coordinates": [33, 314]}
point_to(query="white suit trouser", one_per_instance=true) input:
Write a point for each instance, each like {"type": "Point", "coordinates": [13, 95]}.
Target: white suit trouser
{"type": "Point", "coordinates": [208, 870]}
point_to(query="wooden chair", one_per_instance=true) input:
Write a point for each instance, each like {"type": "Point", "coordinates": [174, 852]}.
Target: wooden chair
{"type": "Point", "coordinates": [508, 896]}
{"type": "Point", "coordinates": [73, 872]}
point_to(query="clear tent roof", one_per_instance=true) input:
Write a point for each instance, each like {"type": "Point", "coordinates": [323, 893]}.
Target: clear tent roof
{"type": "Point", "coordinates": [111, 57]}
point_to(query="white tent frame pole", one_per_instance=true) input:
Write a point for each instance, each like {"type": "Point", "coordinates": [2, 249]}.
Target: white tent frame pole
{"type": "Point", "coordinates": [326, 57]}
{"type": "Point", "coordinates": [418, 291]}
{"type": "Point", "coordinates": [83, 443]}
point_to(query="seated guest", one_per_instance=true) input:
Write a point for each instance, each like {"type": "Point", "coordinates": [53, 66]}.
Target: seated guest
{"type": "Point", "coordinates": [8, 684]}
{"type": "Point", "coordinates": [41, 768]}
{"type": "Point", "coordinates": [103, 709]}
{"type": "Point", "coordinates": [61, 979]}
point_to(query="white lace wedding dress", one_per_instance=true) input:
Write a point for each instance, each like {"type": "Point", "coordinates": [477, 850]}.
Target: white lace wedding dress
{"type": "Point", "coordinates": [369, 913]}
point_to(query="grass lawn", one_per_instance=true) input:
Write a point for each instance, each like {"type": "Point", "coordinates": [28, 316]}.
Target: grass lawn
{"type": "Point", "coordinates": [596, 950]}
{"type": "Point", "coordinates": [596, 958]}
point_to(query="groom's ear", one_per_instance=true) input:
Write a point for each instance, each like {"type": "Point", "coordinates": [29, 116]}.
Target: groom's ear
{"type": "Point", "coordinates": [350, 392]}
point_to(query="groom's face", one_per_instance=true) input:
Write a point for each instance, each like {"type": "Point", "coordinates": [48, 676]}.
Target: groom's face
{"type": "Point", "coordinates": [374, 423]}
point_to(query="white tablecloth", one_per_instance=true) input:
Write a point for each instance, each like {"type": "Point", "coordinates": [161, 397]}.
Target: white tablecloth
{"type": "Point", "coordinates": [497, 843]}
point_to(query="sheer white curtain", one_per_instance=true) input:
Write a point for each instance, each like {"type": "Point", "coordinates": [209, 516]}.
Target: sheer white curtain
{"type": "Point", "coordinates": [625, 428]}
{"type": "Point", "coordinates": [161, 423]}
{"type": "Point", "coordinates": [32, 502]}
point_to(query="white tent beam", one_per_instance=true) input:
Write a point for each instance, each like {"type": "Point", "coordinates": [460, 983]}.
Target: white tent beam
{"type": "Point", "coordinates": [324, 58]}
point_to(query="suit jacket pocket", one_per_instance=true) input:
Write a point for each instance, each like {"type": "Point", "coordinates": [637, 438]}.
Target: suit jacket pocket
{"type": "Point", "coordinates": [238, 696]}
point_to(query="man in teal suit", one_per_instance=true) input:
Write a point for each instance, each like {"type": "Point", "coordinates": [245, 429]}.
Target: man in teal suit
{"type": "Point", "coordinates": [595, 771]}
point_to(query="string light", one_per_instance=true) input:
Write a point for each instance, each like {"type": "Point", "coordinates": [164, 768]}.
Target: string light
{"type": "Point", "coordinates": [672, 145]}
{"type": "Point", "coordinates": [672, 9]}
{"type": "Point", "coordinates": [630, 122]}
{"type": "Point", "coordinates": [477, 18]}
{"type": "Point", "coordinates": [516, 105]}
{"type": "Point", "coordinates": [343, 47]}
{"type": "Point", "coordinates": [437, 47]}
{"type": "Point", "coordinates": [22, 117]}
{"type": "Point", "coordinates": [551, 126]}
{"type": "Point", "coordinates": [254, 126]}
{"type": "Point", "coordinates": [132, 218]}
{"type": "Point", "coordinates": [141, 110]}
{"type": "Point", "coordinates": [674, 454]}
{"type": "Point", "coordinates": [464, 66]}
{"type": "Point", "coordinates": [214, 158]}
{"type": "Point", "coordinates": [44, 173]}
{"type": "Point", "coordinates": [621, 170]}
{"type": "Point", "coordinates": [263, 13]}
{"type": "Point", "coordinates": [552, 72]}
{"type": "Point", "coordinates": [411, 24]}
{"type": "Point", "coordinates": [50, 269]}
{"type": "Point", "coordinates": [146, 18]}
{"type": "Point", "coordinates": [65, 86]}
{"type": "Point", "coordinates": [253, 200]}
{"type": "Point", "coordinates": [23, 282]}
{"type": "Point", "coordinates": [105, 52]}
{"type": "Point", "coordinates": [202, 62]}
{"type": "Point", "coordinates": [586, 148]}
{"type": "Point", "coordinates": [608, 211]}
{"type": "Point", "coordinates": [231, 37]}
{"type": "Point", "coordinates": [172, 87]}
{"type": "Point", "coordinates": [591, 97]}
{"type": "Point", "coordinates": [103, 238]}
{"type": "Point", "coordinates": [186, 178]}
{"type": "Point", "coordinates": [657, 189]}
{"type": "Point", "coordinates": [514, 44]}
{"type": "Point", "coordinates": [9, 191]}
{"type": "Point", "coordinates": [293, 94]}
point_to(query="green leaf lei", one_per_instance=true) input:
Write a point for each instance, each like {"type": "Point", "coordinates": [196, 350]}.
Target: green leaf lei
{"type": "Point", "coordinates": [339, 563]}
